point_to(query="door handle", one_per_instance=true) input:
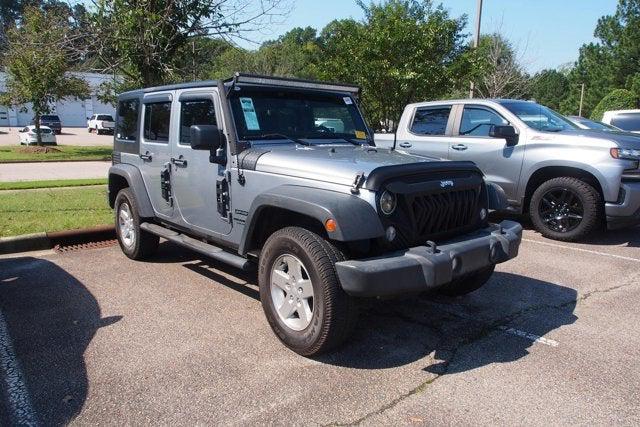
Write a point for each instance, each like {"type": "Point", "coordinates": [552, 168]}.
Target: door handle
{"type": "Point", "coordinates": [146, 156]}
{"type": "Point", "coordinates": [179, 161]}
{"type": "Point", "coordinates": [459, 147]}
{"type": "Point", "coordinates": [405, 144]}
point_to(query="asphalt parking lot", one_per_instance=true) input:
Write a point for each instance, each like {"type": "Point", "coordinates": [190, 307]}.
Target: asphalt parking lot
{"type": "Point", "coordinates": [90, 337]}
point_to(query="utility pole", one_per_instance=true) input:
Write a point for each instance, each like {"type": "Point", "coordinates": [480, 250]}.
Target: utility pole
{"type": "Point", "coordinates": [476, 41]}
{"type": "Point", "coordinates": [581, 100]}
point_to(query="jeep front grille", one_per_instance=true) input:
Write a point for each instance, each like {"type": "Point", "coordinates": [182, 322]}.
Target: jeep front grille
{"type": "Point", "coordinates": [432, 214]}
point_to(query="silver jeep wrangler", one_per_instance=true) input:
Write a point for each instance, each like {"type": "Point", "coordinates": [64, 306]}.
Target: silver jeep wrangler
{"type": "Point", "coordinates": [282, 175]}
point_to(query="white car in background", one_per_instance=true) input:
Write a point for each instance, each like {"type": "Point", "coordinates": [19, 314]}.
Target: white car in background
{"type": "Point", "coordinates": [101, 123]}
{"type": "Point", "coordinates": [627, 120]}
{"type": "Point", "coordinates": [28, 135]}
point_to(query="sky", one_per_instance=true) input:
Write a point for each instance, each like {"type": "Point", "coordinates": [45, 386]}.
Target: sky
{"type": "Point", "coordinates": [548, 33]}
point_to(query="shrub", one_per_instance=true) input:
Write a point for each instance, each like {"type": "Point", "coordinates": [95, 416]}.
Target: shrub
{"type": "Point", "coordinates": [617, 99]}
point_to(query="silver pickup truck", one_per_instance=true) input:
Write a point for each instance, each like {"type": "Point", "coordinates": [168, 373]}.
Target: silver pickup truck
{"type": "Point", "coordinates": [569, 180]}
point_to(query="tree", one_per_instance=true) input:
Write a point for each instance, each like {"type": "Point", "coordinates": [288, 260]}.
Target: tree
{"type": "Point", "coordinates": [38, 58]}
{"type": "Point", "coordinates": [502, 74]}
{"type": "Point", "coordinates": [617, 99]}
{"type": "Point", "coordinates": [403, 51]}
{"type": "Point", "coordinates": [550, 88]}
{"type": "Point", "coordinates": [145, 41]}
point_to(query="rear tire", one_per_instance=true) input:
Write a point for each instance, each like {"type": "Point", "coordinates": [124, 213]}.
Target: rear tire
{"type": "Point", "coordinates": [136, 243]}
{"type": "Point", "coordinates": [580, 199]}
{"type": "Point", "coordinates": [467, 283]}
{"type": "Point", "coordinates": [300, 292]}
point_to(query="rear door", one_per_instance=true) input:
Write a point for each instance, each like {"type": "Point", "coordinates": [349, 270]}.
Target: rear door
{"type": "Point", "coordinates": [195, 178]}
{"type": "Point", "coordinates": [155, 152]}
{"type": "Point", "coordinates": [428, 130]}
{"type": "Point", "coordinates": [471, 141]}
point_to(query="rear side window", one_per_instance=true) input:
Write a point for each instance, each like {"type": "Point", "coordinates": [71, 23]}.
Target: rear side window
{"type": "Point", "coordinates": [629, 122]}
{"type": "Point", "coordinates": [477, 121]}
{"type": "Point", "coordinates": [127, 119]}
{"type": "Point", "coordinates": [196, 112]}
{"type": "Point", "coordinates": [156, 121]}
{"type": "Point", "coordinates": [431, 120]}
{"type": "Point", "coordinates": [104, 117]}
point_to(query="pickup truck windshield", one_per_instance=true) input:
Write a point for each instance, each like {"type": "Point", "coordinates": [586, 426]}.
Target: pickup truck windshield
{"type": "Point", "coordinates": [260, 114]}
{"type": "Point", "coordinates": [539, 117]}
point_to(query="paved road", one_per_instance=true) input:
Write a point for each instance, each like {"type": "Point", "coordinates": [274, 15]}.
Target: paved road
{"type": "Point", "coordinates": [52, 170]}
{"type": "Point", "coordinates": [552, 339]}
{"type": "Point", "coordinates": [69, 136]}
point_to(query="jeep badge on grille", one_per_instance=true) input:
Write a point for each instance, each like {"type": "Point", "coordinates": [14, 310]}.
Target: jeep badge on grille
{"type": "Point", "coordinates": [447, 183]}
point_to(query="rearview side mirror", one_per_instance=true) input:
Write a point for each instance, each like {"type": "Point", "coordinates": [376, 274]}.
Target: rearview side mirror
{"type": "Point", "coordinates": [506, 132]}
{"type": "Point", "coordinates": [206, 137]}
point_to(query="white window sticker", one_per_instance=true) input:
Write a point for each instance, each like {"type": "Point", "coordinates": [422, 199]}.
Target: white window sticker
{"type": "Point", "coordinates": [347, 100]}
{"type": "Point", "coordinates": [250, 117]}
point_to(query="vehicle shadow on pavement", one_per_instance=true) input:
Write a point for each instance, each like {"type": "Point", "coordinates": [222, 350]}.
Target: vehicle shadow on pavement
{"type": "Point", "coordinates": [451, 333]}
{"type": "Point", "coordinates": [51, 318]}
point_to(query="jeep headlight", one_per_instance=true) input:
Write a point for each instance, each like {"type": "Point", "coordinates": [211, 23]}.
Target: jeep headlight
{"type": "Point", "coordinates": [387, 202]}
{"type": "Point", "coordinates": [625, 153]}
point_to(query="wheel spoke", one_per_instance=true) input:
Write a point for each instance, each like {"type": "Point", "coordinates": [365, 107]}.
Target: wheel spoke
{"type": "Point", "coordinates": [286, 309]}
{"type": "Point", "coordinates": [304, 312]}
{"type": "Point", "coordinates": [307, 288]}
{"type": "Point", "coordinates": [280, 279]}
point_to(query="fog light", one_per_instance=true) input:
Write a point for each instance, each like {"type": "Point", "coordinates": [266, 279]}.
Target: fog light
{"type": "Point", "coordinates": [390, 233]}
{"type": "Point", "coordinates": [483, 214]}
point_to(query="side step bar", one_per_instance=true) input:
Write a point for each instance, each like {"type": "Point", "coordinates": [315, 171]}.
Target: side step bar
{"type": "Point", "coordinates": [211, 251]}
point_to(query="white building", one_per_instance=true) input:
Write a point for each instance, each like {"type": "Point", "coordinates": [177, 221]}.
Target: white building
{"type": "Point", "coordinates": [72, 112]}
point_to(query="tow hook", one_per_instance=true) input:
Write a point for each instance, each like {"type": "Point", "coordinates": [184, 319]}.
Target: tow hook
{"type": "Point", "coordinates": [357, 183]}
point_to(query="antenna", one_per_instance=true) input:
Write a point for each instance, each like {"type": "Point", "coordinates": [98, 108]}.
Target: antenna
{"type": "Point", "coordinates": [395, 132]}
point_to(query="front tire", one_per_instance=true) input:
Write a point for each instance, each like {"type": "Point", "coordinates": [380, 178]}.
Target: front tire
{"type": "Point", "coordinates": [300, 292]}
{"type": "Point", "coordinates": [467, 283]}
{"type": "Point", "coordinates": [565, 209]}
{"type": "Point", "coordinates": [136, 243]}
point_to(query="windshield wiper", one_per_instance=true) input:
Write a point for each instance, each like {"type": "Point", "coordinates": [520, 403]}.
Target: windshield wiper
{"type": "Point", "coordinates": [280, 136]}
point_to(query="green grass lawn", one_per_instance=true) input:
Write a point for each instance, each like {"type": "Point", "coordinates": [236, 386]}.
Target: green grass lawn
{"type": "Point", "coordinates": [11, 153]}
{"type": "Point", "coordinates": [51, 183]}
{"type": "Point", "coordinates": [53, 209]}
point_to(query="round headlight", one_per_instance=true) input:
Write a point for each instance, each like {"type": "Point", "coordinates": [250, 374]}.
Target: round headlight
{"type": "Point", "coordinates": [387, 202]}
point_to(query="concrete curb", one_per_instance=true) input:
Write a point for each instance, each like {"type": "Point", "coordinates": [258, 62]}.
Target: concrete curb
{"type": "Point", "coordinates": [39, 241]}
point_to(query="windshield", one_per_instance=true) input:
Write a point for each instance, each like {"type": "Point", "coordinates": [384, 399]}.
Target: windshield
{"type": "Point", "coordinates": [271, 114]}
{"type": "Point", "coordinates": [50, 118]}
{"type": "Point", "coordinates": [539, 117]}
{"type": "Point", "coordinates": [104, 117]}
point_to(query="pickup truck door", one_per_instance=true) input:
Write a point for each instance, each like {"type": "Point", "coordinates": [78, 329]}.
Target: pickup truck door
{"type": "Point", "coordinates": [500, 163]}
{"type": "Point", "coordinates": [426, 132]}
{"type": "Point", "coordinates": [197, 181]}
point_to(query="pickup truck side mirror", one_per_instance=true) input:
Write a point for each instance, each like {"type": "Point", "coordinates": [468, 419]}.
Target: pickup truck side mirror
{"type": "Point", "coordinates": [506, 132]}
{"type": "Point", "coordinates": [206, 137]}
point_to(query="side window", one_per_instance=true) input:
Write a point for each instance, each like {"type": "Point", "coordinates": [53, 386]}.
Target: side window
{"type": "Point", "coordinates": [196, 112]}
{"type": "Point", "coordinates": [431, 120]}
{"type": "Point", "coordinates": [477, 121]}
{"type": "Point", "coordinates": [628, 122]}
{"type": "Point", "coordinates": [156, 121]}
{"type": "Point", "coordinates": [127, 119]}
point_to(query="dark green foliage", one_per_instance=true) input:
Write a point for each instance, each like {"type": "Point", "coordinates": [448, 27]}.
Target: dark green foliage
{"type": "Point", "coordinates": [549, 87]}
{"type": "Point", "coordinates": [617, 99]}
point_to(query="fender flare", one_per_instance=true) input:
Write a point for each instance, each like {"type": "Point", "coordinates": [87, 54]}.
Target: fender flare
{"type": "Point", "coordinates": [134, 178]}
{"type": "Point", "coordinates": [356, 219]}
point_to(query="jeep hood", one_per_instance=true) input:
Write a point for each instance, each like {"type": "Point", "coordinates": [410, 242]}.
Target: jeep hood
{"type": "Point", "coordinates": [335, 164]}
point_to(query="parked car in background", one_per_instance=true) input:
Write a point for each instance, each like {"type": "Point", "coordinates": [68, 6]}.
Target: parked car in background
{"type": "Point", "coordinates": [584, 123]}
{"type": "Point", "coordinates": [52, 121]}
{"type": "Point", "coordinates": [28, 135]}
{"type": "Point", "coordinates": [101, 123]}
{"type": "Point", "coordinates": [627, 120]}
{"type": "Point", "coordinates": [569, 180]}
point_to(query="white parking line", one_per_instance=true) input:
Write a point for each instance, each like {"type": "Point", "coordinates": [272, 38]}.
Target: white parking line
{"type": "Point", "coordinates": [529, 336]}
{"type": "Point", "coordinates": [20, 409]}
{"type": "Point", "coordinates": [555, 245]}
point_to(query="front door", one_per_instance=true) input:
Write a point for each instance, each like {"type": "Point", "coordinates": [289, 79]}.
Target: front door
{"type": "Point", "coordinates": [155, 153]}
{"type": "Point", "coordinates": [198, 183]}
{"type": "Point", "coordinates": [500, 163]}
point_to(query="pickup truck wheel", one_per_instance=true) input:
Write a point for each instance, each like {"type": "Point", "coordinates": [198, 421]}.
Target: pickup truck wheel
{"type": "Point", "coordinates": [467, 283]}
{"type": "Point", "coordinates": [301, 294]}
{"type": "Point", "coordinates": [565, 208]}
{"type": "Point", "coordinates": [135, 243]}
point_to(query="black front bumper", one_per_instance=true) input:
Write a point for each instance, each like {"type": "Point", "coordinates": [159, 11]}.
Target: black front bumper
{"type": "Point", "coordinates": [422, 268]}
